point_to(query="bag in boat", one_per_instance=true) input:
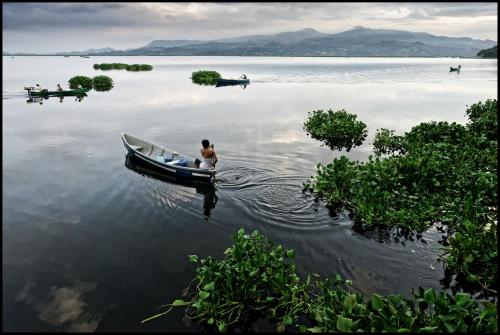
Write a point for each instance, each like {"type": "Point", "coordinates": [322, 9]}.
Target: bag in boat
{"type": "Point", "coordinates": [163, 159]}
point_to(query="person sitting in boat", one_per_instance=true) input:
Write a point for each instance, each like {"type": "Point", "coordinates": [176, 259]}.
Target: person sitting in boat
{"type": "Point", "coordinates": [38, 87]}
{"type": "Point", "coordinates": [208, 154]}
{"type": "Point", "coordinates": [59, 88]}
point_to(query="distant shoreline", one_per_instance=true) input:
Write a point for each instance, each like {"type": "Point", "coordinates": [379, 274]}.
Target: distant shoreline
{"type": "Point", "coordinates": [459, 57]}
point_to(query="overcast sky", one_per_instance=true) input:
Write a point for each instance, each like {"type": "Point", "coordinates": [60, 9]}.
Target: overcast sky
{"type": "Point", "coordinates": [52, 27]}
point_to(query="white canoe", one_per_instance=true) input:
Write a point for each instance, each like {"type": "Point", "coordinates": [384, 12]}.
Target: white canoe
{"type": "Point", "coordinates": [165, 160]}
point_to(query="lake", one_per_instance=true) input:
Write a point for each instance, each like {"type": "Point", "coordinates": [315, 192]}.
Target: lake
{"type": "Point", "coordinates": [91, 242]}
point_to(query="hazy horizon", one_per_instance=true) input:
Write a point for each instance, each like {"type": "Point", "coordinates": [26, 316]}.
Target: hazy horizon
{"type": "Point", "coordinates": [65, 27]}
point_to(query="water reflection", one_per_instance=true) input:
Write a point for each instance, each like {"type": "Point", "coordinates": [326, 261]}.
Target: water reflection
{"type": "Point", "coordinates": [207, 190]}
{"type": "Point", "coordinates": [243, 86]}
{"type": "Point", "coordinates": [39, 100]}
{"type": "Point", "coordinates": [81, 215]}
{"type": "Point", "coordinates": [63, 307]}
{"type": "Point", "coordinates": [209, 199]}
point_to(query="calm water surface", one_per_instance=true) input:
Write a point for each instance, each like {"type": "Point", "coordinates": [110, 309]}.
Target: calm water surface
{"type": "Point", "coordinates": [91, 243]}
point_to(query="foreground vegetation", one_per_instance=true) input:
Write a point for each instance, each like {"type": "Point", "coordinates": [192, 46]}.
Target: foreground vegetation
{"type": "Point", "coordinates": [203, 77]}
{"type": "Point", "coordinates": [122, 66]}
{"type": "Point", "coordinates": [99, 83]}
{"type": "Point", "coordinates": [257, 279]}
{"type": "Point", "coordinates": [437, 174]}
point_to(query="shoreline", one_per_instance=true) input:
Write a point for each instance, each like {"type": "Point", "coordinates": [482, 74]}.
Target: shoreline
{"type": "Point", "coordinates": [457, 57]}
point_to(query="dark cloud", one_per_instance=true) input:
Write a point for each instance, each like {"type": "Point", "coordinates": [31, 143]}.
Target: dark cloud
{"type": "Point", "coordinates": [24, 16]}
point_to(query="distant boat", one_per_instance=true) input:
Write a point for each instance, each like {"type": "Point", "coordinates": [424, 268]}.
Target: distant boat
{"type": "Point", "coordinates": [85, 56]}
{"type": "Point", "coordinates": [47, 93]}
{"type": "Point", "coordinates": [226, 82]}
{"type": "Point", "coordinates": [455, 68]}
{"type": "Point", "coordinates": [66, 56]}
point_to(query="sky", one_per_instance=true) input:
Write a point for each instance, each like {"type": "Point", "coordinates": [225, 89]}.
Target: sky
{"type": "Point", "coordinates": [57, 27]}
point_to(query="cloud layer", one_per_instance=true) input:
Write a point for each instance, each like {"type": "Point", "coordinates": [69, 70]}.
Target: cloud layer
{"type": "Point", "coordinates": [47, 27]}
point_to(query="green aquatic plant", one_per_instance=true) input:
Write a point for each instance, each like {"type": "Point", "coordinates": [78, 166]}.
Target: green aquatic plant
{"type": "Point", "coordinates": [122, 66]}
{"type": "Point", "coordinates": [337, 130]}
{"type": "Point", "coordinates": [386, 142]}
{"type": "Point", "coordinates": [133, 67]}
{"type": "Point", "coordinates": [145, 67]}
{"type": "Point", "coordinates": [83, 81]}
{"type": "Point", "coordinates": [257, 279]}
{"type": "Point", "coordinates": [203, 77]}
{"type": "Point", "coordinates": [438, 173]}
{"type": "Point", "coordinates": [102, 83]}
{"type": "Point", "coordinates": [254, 277]}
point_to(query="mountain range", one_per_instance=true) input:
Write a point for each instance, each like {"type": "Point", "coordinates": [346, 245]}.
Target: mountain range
{"type": "Point", "coordinates": [358, 41]}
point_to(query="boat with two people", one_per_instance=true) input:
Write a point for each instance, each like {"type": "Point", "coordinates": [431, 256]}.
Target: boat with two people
{"type": "Point", "coordinates": [38, 92]}
{"type": "Point", "coordinates": [167, 161]}
{"type": "Point", "coordinates": [457, 69]}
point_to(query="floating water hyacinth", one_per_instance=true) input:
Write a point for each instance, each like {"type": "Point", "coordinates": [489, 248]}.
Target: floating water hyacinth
{"type": "Point", "coordinates": [257, 279]}
{"type": "Point", "coordinates": [204, 77]}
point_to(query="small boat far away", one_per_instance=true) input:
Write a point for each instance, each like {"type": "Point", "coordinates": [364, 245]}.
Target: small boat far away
{"type": "Point", "coordinates": [45, 92]}
{"type": "Point", "coordinates": [165, 160]}
{"type": "Point", "coordinates": [226, 82]}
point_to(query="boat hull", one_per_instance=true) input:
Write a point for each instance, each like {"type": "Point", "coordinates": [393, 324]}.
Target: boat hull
{"type": "Point", "coordinates": [138, 165]}
{"type": "Point", "coordinates": [225, 82]}
{"type": "Point", "coordinates": [58, 93]}
{"type": "Point", "coordinates": [187, 173]}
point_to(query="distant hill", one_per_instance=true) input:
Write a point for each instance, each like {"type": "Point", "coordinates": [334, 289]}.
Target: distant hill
{"type": "Point", "coordinates": [87, 52]}
{"type": "Point", "coordinates": [358, 41]}
{"type": "Point", "coordinates": [285, 38]}
{"type": "Point", "coordinates": [488, 53]}
{"type": "Point", "coordinates": [171, 43]}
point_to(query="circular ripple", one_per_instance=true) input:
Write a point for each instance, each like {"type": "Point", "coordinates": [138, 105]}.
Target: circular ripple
{"type": "Point", "coordinates": [276, 200]}
{"type": "Point", "coordinates": [240, 177]}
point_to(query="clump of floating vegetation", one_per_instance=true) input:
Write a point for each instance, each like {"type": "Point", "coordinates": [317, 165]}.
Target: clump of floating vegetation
{"type": "Point", "coordinates": [99, 83]}
{"type": "Point", "coordinates": [102, 83]}
{"type": "Point", "coordinates": [257, 279]}
{"type": "Point", "coordinates": [336, 129]}
{"type": "Point", "coordinates": [204, 77]}
{"type": "Point", "coordinates": [82, 81]}
{"type": "Point", "coordinates": [122, 66]}
{"type": "Point", "coordinates": [439, 173]}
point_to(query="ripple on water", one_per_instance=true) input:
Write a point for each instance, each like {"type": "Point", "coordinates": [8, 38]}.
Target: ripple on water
{"type": "Point", "coordinates": [278, 200]}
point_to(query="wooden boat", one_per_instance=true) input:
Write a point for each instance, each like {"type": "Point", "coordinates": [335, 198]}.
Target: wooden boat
{"type": "Point", "coordinates": [454, 69]}
{"type": "Point", "coordinates": [226, 82]}
{"type": "Point", "coordinates": [165, 160]}
{"type": "Point", "coordinates": [139, 166]}
{"type": "Point", "coordinates": [45, 92]}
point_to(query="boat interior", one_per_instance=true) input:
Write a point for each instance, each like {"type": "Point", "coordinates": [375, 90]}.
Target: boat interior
{"type": "Point", "coordinates": [157, 152]}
